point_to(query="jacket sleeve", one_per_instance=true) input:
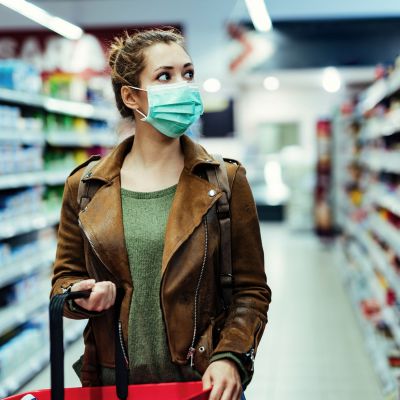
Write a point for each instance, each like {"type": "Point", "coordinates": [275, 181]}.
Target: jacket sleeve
{"type": "Point", "coordinates": [247, 314]}
{"type": "Point", "coordinates": [69, 266]}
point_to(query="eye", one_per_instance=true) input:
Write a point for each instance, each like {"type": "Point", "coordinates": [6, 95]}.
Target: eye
{"type": "Point", "coordinates": [189, 75]}
{"type": "Point", "coordinates": [164, 76]}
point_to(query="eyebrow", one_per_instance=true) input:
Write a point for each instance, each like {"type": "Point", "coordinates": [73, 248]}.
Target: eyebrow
{"type": "Point", "coordinates": [169, 67]}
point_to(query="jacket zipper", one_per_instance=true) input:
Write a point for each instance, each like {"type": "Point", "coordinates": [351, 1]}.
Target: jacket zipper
{"type": "Point", "coordinates": [121, 338]}
{"type": "Point", "coordinates": [192, 350]}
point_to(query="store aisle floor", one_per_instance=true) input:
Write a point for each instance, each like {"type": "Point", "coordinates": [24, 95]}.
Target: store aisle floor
{"type": "Point", "coordinates": [312, 348]}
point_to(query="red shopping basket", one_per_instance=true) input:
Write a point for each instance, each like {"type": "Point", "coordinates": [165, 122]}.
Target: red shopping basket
{"type": "Point", "coordinates": [160, 391]}
{"type": "Point", "coordinates": [122, 391]}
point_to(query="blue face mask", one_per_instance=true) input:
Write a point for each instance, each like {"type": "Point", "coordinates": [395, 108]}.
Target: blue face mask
{"type": "Point", "coordinates": [172, 107]}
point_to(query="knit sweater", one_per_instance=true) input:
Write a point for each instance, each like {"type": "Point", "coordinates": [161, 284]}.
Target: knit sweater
{"type": "Point", "coordinates": [145, 217]}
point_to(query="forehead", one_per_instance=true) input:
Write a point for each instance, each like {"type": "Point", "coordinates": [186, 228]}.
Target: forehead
{"type": "Point", "coordinates": [163, 54]}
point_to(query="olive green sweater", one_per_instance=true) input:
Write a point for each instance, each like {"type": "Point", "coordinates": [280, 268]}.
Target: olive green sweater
{"type": "Point", "coordinates": [145, 217]}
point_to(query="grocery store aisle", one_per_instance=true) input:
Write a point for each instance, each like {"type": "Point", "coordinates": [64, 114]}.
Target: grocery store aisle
{"type": "Point", "coordinates": [312, 348]}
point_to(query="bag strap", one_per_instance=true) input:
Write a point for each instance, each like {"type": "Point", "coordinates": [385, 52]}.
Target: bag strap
{"type": "Point", "coordinates": [57, 345]}
{"type": "Point", "coordinates": [219, 177]}
{"type": "Point", "coordinates": [87, 189]}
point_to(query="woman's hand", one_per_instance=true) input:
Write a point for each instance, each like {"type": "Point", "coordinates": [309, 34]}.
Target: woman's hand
{"type": "Point", "coordinates": [101, 298]}
{"type": "Point", "coordinates": [223, 376]}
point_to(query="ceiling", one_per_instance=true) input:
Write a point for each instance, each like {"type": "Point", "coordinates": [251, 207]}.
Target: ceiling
{"type": "Point", "coordinates": [204, 22]}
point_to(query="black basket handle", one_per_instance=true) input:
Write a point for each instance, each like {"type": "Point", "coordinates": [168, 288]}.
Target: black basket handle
{"type": "Point", "coordinates": [57, 344]}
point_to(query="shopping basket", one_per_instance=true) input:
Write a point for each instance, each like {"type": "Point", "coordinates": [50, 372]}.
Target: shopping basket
{"type": "Point", "coordinates": [122, 391]}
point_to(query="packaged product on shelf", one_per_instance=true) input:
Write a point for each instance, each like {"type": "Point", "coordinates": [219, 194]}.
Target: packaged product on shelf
{"type": "Point", "coordinates": [18, 75]}
{"type": "Point", "coordinates": [19, 350]}
{"type": "Point", "coordinates": [20, 203]}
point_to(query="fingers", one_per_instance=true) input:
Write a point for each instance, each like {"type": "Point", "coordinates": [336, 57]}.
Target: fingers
{"type": "Point", "coordinates": [232, 392]}
{"type": "Point", "coordinates": [224, 378]}
{"type": "Point", "coordinates": [87, 284]}
{"type": "Point", "coordinates": [207, 383]}
{"type": "Point", "coordinates": [101, 298]}
{"type": "Point", "coordinates": [225, 391]}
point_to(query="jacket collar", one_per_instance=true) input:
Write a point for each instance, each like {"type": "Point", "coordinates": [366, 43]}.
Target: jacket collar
{"type": "Point", "coordinates": [109, 167]}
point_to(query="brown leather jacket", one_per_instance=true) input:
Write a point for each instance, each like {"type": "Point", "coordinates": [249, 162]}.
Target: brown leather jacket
{"type": "Point", "coordinates": [91, 245]}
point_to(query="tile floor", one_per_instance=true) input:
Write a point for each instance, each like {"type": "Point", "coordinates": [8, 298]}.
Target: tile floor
{"type": "Point", "coordinates": [312, 348]}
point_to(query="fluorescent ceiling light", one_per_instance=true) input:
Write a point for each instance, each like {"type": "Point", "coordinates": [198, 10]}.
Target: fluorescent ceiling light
{"type": "Point", "coordinates": [331, 80]}
{"type": "Point", "coordinates": [42, 17]}
{"type": "Point", "coordinates": [259, 15]}
{"type": "Point", "coordinates": [271, 83]}
{"type": "Point", "coordinates": [212, 85]}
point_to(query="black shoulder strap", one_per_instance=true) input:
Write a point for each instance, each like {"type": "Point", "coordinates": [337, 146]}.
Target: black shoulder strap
{"type": "Point", "coordinates": [87, 188]}
{"type": "Point", "coordinates": [219, 177]}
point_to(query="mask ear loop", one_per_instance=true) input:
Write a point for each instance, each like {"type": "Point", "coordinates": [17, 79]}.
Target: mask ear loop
{"type": "Point", "coordinates": [138, 111]}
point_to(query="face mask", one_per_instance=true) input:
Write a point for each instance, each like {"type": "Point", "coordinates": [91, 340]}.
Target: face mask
{"type": "Point", "coordinates": [172, 107]}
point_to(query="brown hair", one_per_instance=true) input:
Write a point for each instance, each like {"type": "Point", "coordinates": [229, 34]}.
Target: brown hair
{"type": "Point", "coordinates": [127, 59]}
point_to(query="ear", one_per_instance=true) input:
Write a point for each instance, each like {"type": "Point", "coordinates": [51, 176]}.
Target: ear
{"type": "Point", "coordinates": [130, 97]}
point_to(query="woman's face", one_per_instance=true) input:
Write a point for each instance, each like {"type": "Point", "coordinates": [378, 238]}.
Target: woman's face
{"type": "Point", "coordinates": [165, 63]}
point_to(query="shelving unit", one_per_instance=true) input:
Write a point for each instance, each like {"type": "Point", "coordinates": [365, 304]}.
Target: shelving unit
{"type": "Point", "coordinates": [28, 226]}
{"type": "Point", "coordinates": [367, 187]}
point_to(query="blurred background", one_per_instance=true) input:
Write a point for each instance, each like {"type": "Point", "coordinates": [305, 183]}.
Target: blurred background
{"type": "Point", "coordinates": [305, 94]}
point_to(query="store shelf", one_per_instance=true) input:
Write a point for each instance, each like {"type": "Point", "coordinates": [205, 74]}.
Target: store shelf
{"type": "Point", "coordinates": [77, 109]}
{"type": "Point", "coordinates": [382, 264]}
{"type": "Point", "coordinates": [35, 363]}
{"type": "Point", "coordinates": [379, 91]}
{"type": "Point", "coordinates": [41, 262]}
{"type": "Point", "coordinates": [380, 160]}
{"type": "Point", "coordinates": [384, 126]}
{"type": "Point", "coordinates": [387, 232]}
{"type": "Point", "coordinates": [17, 314]}
{"type": "Point", "coordinates": [382, 198]}
{"type": "Point", "coordinates": [375, 348]}
{"type": "Point", "coordinates": [73, 139]}
{"type": "Point", "coordinates": [28, 223]}
{"type": "Point", "coordinates": [21, 137]}
{"type": "Point", "coordinates": [14, 181]}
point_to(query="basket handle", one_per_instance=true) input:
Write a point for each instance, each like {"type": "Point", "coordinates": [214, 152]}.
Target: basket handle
{"type": "Point", "coordinates": [57, 344]}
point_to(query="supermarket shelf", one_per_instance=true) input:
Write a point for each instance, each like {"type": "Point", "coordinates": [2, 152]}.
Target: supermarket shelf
{"type": "Point", "coordinates": [385, 231]}
{"type": "Point", "coordinates": [16, 136]}
{"type": "Point", "coordinates": [18, 314]}
{"type": "Point", "coordinates": [28, 223]}
{"type": "Point", "coordinates": [10, 273]}
{"type": "Point", "coordinates": [376, 351]}
{"type": "Point", "coordinates": [384, 126]}
{"type": "Point", "coordinates": [390, 201]}
{"type": "Point", "coordinates": [73, 139]}
{"type": "Point", "coordinates": [379, 91]}
{"type": "Point", "coordinates": [379, 160]}
{"type": "Point", "coordinates": [382, 264]}
{"type": "Point", "coordinates": [78, 109]}
{"type": "Point", "coordinates": [14, 181]}
{"type": "Point", "coordinates": [35, 363]}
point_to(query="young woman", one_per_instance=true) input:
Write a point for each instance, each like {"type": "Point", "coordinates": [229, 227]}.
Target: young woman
{"type": "Point", "coordinates": [152, 228]}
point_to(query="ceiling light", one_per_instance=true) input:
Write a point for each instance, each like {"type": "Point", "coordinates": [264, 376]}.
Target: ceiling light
{"type": "Point", "coordinates": [259, 15]}
{"type": "Point", "coordinates": [331, 81]}
{"type": "Point", "coordinates": [212, 85]}
{"type": "Point", "coordinates": [271, 83]}
{"type": "Point", "coordinates": [42, 17]}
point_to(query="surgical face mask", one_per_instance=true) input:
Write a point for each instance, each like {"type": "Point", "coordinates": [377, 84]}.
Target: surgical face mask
{"type": "Point", "coordinates": [172, 107]}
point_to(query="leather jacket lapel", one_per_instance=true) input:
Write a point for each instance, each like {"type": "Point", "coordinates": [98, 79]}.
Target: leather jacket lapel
{"type": "Point", "coordinates": [102, 224]}
{"type": "Point", "coordinates": [193, 198]}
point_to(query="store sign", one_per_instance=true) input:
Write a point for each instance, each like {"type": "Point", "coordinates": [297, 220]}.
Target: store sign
{"type": "Point", "coordinates": [50, 52]}
{"type": "Point", "coordinates": [56, 53]}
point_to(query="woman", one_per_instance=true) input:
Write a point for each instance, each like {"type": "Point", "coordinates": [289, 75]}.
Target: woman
{"type": "Point", "coordinates": [151, 227]}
